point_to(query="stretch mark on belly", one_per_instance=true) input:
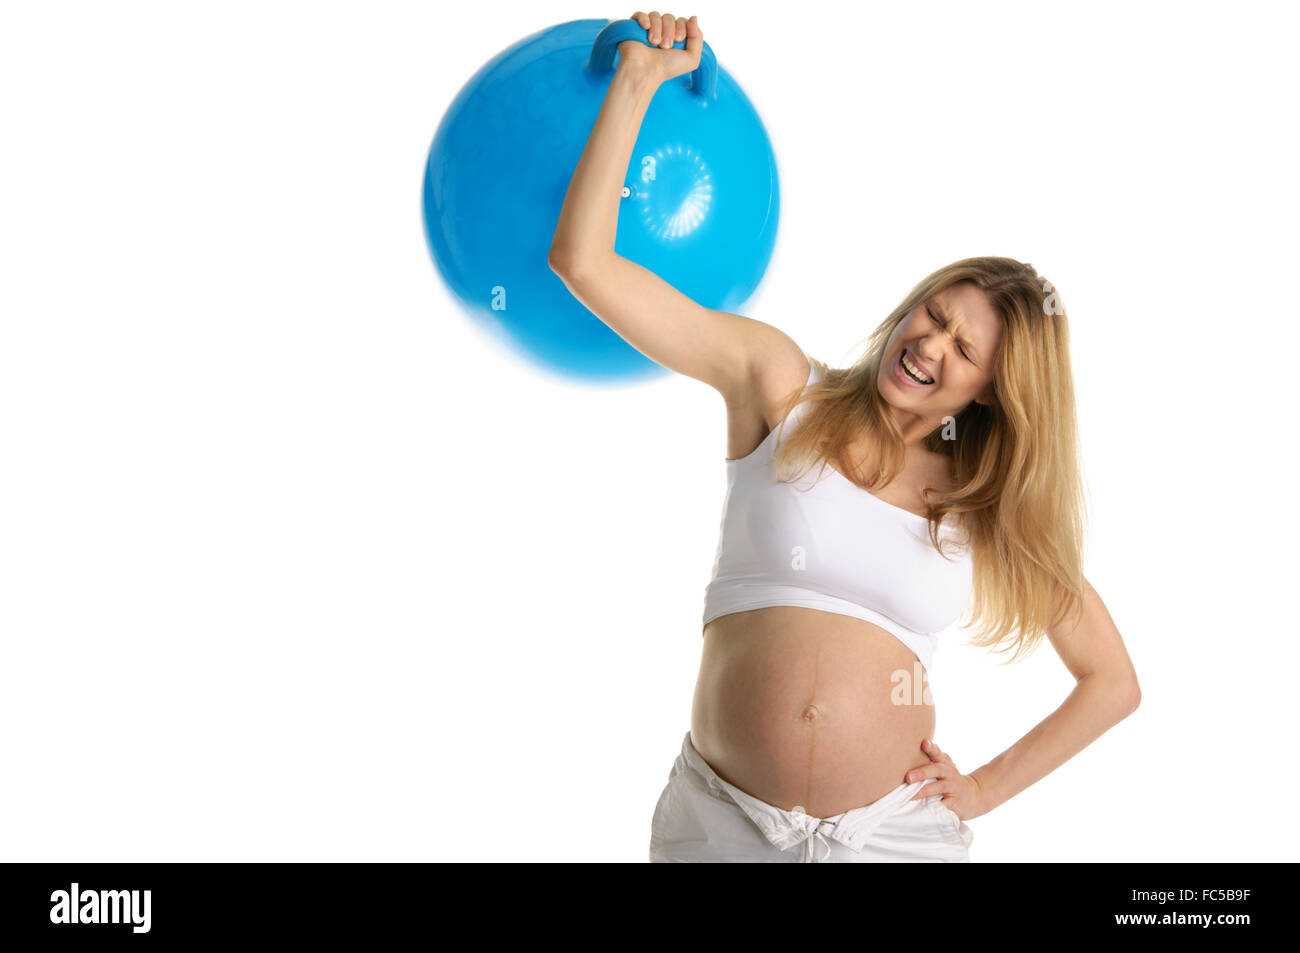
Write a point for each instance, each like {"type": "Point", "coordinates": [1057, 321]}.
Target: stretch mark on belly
{"type": "Point", "coordinates": [811, 717]}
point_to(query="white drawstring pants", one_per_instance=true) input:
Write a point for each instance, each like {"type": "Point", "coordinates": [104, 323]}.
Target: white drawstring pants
{"type": "Point", "coordinates": [701, 818]}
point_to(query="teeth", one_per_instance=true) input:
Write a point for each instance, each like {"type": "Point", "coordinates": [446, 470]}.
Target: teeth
{"type": "Point", "coordinates": [915, 371]}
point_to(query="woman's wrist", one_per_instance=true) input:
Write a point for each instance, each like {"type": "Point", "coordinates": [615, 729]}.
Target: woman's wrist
{"type": "Point", "coordinates": [638, 74]}
{"type": "Point", "coordinates": [988, 797]}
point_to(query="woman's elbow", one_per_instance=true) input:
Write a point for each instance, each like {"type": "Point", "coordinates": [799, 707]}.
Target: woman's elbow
{"type": "Point", "coordinates": [1116, 689]}
{"type": "Point", "coordinates": [570, 268]}
{"type": "Point", "coordinates": [558, 259]}
{"type": "Point", "coordinates": [1131, 693]}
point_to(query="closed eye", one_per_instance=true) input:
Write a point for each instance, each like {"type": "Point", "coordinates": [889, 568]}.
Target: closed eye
{"type": "Point", "coordinates": [940, 323]}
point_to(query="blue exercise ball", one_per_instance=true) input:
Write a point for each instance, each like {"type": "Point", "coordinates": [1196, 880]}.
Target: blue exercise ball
{"type": "Point", "coordinates": [699, 205]}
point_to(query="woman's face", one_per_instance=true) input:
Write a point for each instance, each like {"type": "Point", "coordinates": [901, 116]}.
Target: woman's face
{"type": "Point", "coordinates": [952, 339]}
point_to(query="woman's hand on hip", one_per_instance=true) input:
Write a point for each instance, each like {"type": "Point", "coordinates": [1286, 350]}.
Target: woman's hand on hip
{"type": "Point", "coordinates": [661, 60]}
{"type": "Point", "coordinates": [961, 793]}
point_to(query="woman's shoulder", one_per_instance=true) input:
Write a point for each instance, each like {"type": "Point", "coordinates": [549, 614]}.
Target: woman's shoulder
{"type": "Point", "coordinates": [779, 379]}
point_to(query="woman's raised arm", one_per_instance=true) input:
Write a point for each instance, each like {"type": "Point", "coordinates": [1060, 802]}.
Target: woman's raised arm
{"type": "Point", "coordinates": [716, 347]}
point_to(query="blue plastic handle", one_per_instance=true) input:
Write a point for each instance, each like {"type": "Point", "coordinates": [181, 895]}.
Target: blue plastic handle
{"type": "Point", "coordinates": [704, 79]}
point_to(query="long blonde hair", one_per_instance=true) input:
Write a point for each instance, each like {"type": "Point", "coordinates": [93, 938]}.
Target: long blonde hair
{"type": "Point", "coordinates": [1018, 493]}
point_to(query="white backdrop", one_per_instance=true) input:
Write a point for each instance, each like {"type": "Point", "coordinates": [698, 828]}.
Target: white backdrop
{"type": "Point", "coordinates": [296, 564]}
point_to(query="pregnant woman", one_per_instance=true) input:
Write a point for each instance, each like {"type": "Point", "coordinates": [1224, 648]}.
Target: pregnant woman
{"type": "Point", "coordinates": [867, 509]}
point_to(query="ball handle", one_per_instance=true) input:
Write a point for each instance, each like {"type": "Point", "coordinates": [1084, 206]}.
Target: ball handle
{"type": "Point", "coordinates": [704, 78]}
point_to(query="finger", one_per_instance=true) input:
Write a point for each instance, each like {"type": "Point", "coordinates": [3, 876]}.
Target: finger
{"type": "Point", "coordinates": [679, 33]}
{"type": "Point", "coordinates": [694, 38]}
{"type": "Point", "coordinates": [669, 31]}
{"type": "Point", "coordinates": [931, 776]}
{"type": "Point", "coordinates": [642, 20]}
{"type": "Point", "coordinates": [654, 27]}
{"type": "Point", "coordinates": [936, 753]}
{"type": "Point", "coordinates": [927, 790]}
{"type": "Point", "coordinates": [923, 772]}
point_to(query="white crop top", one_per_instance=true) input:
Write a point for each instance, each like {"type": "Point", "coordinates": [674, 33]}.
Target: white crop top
{"type": "Point", "coordinates": [829, 544]}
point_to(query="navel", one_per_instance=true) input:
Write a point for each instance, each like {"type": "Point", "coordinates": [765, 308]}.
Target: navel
{"type": "Point", "coordinates": [812, 713]}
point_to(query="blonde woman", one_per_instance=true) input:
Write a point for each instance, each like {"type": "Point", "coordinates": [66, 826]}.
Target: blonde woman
{"type": "Point", "coordinates": [868, 508]}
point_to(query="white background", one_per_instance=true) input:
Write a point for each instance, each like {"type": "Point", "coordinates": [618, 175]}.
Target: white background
{"type": "Point", "coordinates": [295, 563]}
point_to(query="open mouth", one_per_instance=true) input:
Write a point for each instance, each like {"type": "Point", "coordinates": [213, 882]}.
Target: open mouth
{"type": "Point", "coordinates": [912, 371]}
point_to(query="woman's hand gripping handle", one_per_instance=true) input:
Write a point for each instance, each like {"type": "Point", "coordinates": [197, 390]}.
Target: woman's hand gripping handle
{"type": "Point", "coordinates": [662, 59]}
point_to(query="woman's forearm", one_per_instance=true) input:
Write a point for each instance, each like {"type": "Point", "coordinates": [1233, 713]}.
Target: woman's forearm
{"type": "Point", "coordinates": [588, 220]}
{"type": "Point", "coordinates": [1090, 711]}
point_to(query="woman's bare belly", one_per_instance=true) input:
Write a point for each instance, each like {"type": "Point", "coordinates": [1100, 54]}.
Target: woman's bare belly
{"type": "Point", "coordinates": [801, 707]}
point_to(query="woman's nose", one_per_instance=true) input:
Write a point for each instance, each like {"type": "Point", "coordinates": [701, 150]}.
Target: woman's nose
{"type": "Point", "coordinates": [931, 346]}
